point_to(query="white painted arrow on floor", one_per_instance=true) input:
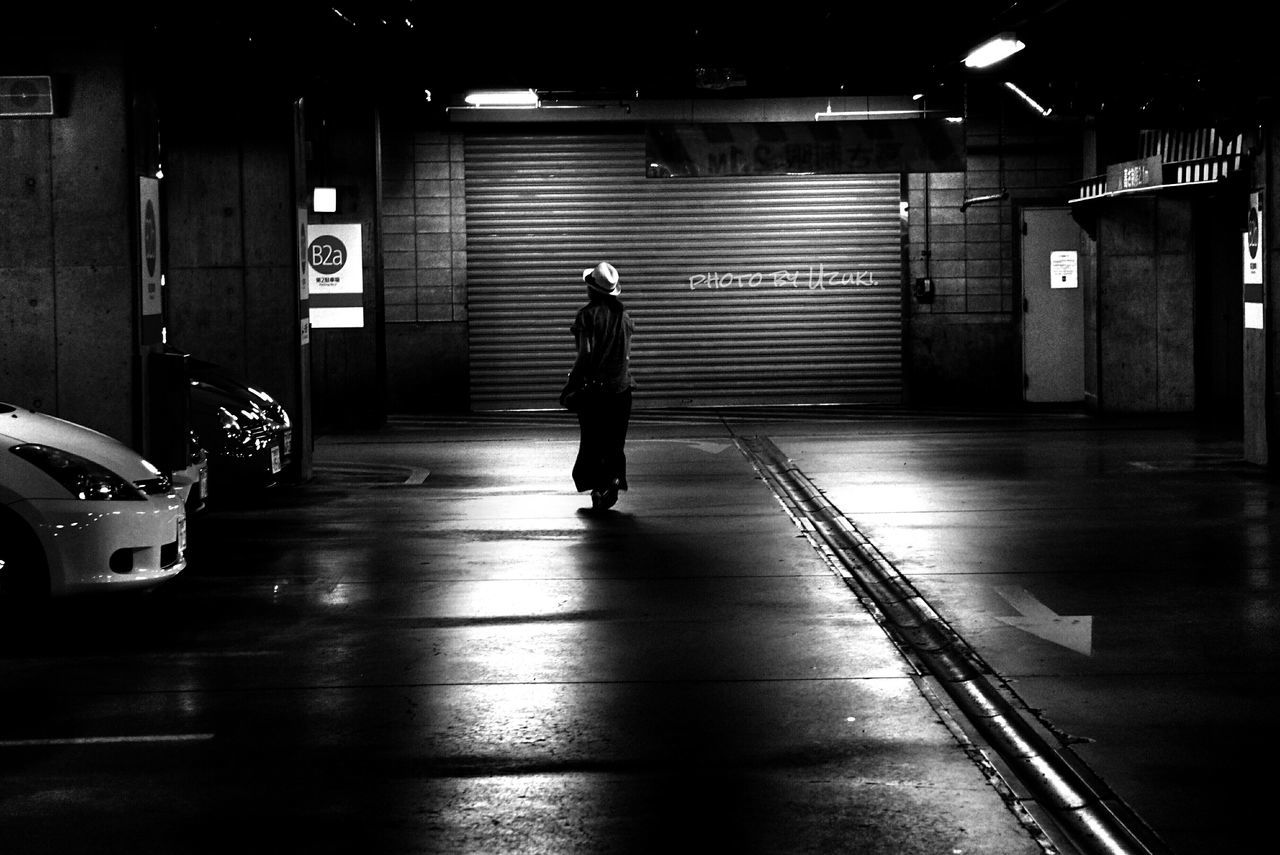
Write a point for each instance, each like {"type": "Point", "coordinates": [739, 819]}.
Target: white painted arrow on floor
{"type": "Point", "coordinates": [1074, 632]}
{"type": "Point", "coordinates": [700, 445]}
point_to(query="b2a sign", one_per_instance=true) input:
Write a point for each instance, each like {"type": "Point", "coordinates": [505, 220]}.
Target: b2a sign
{"type": "Point", "coordinates": [335, 275]}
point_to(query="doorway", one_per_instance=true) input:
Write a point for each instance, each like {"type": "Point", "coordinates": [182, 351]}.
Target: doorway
{"type": "Point", "coordinates": [1052, 308]}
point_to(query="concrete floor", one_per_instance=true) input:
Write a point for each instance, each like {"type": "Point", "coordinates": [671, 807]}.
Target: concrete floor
{"type": "Point", "coordinates": [433, 647]}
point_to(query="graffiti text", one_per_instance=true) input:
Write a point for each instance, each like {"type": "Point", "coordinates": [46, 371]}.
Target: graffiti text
{"type": "Point", "coordinates": [813, 278]}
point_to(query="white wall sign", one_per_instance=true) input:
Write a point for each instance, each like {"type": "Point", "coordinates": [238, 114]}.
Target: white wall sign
{"type": "Point", "coordinates": [149, 244]}
{"type": "Point", "coordinates": [1253, 243]}
{"type": "Point", "coordinates": [1063, 267]}
{"type": "Point", "coordinates": [1253, 316]}
{"type": "Point", "coordinates": [1252, 261]}
{"type": "Point", "coordinates": [335, 275]}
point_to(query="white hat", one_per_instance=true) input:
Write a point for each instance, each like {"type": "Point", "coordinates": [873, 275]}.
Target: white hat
{"type": "Point", "coordinates": [603, 278]}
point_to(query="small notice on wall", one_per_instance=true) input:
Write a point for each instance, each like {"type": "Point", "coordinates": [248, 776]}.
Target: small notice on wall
{"type": "Point", "coordinates": [335, 275]}
{"type": "Point", "coordinates": [1063, 269]}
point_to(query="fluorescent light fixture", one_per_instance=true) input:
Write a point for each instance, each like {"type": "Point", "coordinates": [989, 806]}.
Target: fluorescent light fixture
{"type": "Point", "coordinates": [993, 50]}
{"type": "Point", "coordinates": [978, 200]}
{"type": "Point", "coordinates": [525, 98]}
{"type": "Point", "coordinates": [862, 114]}
{"type": "Point", "coordinates": [324, 200]}
{"type": "Point", "coordinates": [1044, 111]}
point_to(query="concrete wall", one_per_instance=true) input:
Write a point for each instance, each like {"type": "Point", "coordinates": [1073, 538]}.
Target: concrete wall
{"type": "Point", "coordinates": [425, 258]}
{"type": "Point", "coordinates": [1261, 367]}
{"type": "Point", "coordinates": [231, 280]}
{"type": "Point", "coordinates": [347, 365]}
{"type": "Point", "coordinates": [68, 333]}
{"type": "Point", "coordinates": [1144, 299]}
{"type": "Point", "coordinates": [964, 346]}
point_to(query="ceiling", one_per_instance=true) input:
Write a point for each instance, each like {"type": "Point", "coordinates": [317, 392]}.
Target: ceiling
{"type": "Point", "coordinates": [1082, 57]}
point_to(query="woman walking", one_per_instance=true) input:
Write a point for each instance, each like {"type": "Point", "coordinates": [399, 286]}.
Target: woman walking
{"type": "Point", "coordinates": [602, 330]}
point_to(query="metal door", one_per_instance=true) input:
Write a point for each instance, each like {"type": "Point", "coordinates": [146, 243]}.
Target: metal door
{"type": "Point", "coordinates": [771, 289]}
{"type": "Point", "coordinates": [1052, 307]}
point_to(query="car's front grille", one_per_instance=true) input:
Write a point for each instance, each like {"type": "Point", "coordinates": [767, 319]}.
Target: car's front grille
{"type": "Point", "coordinates": [157, 486]}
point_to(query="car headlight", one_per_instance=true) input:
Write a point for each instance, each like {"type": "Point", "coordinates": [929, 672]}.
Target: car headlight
{"type": "Point", "coordinates": [272, 406]}
{"type": "Point", "coordinates": [82, 478]}
{"type": "Point", "coordinates": [231, 427]}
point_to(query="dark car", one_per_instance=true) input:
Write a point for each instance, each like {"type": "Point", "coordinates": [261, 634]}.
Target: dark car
{"type": "Point", "coordinates": [246, 433]}
{"type": "Point", "coordinates": [192, 481]}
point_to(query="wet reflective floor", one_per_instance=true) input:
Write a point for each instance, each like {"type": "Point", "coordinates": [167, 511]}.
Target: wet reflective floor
{"type": "Point", "coordinates": [433, 646]}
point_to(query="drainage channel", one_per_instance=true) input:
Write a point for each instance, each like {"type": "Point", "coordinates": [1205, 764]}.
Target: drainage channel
{"type": "Point", "coordinates": [1064, 792]}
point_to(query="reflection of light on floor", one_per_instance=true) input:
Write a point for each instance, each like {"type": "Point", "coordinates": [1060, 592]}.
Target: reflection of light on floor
{"type": "Point", "coordinates": [877, 498]}
{"type": "Point", "coordinates": [1260, 617]}
{"type": "Point", "coordinates": [337, 595]}
{"type": "Point", "coordinates": [1259, 613]}
{"type": "Point", "coordinates": [517, 506]}
{"type": "Point", "coordinates": [517, 600]}
{"type": "Point", "coordinates": [1257, 535]}
{"type": "Point", "coordinates": [531, 737]}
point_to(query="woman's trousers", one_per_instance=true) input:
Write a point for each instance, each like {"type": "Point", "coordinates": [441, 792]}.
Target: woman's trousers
{"type": "Point", "coordinates": [602, 461]}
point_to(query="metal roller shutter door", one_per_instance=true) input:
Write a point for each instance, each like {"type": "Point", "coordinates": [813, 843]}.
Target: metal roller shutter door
{"type": "Point", "coordinates": [745, 290]}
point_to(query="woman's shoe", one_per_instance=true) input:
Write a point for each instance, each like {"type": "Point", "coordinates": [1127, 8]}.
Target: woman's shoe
{"type": "Point", "coordinates": [597, 500]}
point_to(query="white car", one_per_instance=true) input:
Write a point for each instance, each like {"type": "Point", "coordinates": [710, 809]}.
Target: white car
{"type": "Point", "coordinates": [81, 511]}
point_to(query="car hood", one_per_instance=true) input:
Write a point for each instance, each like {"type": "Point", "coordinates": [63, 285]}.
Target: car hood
{"type": "Point", "coordinates": [213, 387]}
{"type": "Point", "coordinates": [207, 399]}
{"type": "Point", "coordinates": [21, 426]}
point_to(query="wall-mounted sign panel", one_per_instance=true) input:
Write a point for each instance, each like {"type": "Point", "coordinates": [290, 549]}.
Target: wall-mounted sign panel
{"type": "Point", "coordinates": [1135, 174]}
{"type": "Point", "coordinates": [1252, 261]}
{"type": "Point", "coordinates": [149, 243]}
{"type": "Point", "coordinates": [803, 148]}
{"type": "Point", "coordinates": [150, 279]}
{"type": "Point", "coordinates": [335, 275]}
{"type": "Point", "coordinates": [1253, 242]}
{"type": "Point", "coordinates": [26, 96]}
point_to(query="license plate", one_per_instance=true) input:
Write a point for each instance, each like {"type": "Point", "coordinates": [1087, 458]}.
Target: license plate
{"type": "Point", "coordinates": [204, 483]}
{"type": "Point", "coordinates": [182, 535]}
{"type": "Point", "coordinates": [275, 460]}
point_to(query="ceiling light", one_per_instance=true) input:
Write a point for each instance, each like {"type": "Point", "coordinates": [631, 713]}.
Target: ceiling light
{"type": "Point", "coordinates": [503, 98]}
{"type": "Point", "coordinates": [1044, 111]}
{"type": "Point", "coordinates": [863, 114]}
{"type": "Point", "coordinates": [993, 50]}
{"type": "Point", "coordinates": [978, 200]}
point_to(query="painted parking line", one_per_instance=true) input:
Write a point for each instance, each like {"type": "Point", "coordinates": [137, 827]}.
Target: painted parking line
{"type": "Point", "coordinates": [107, 740]}
{"type": "Point", "coordinates": [373, 474]}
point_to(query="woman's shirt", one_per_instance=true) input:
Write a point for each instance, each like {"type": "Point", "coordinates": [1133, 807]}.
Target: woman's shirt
{"type": "Point", "coordinates": [602, 330]}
